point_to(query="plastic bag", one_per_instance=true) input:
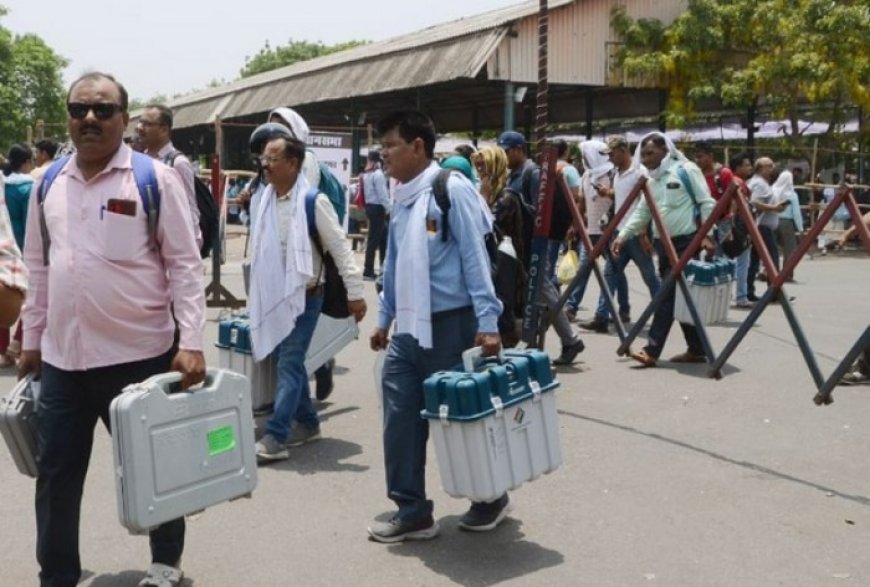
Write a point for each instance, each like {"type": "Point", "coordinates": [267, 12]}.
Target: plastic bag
{"type": "Point", "coordinates": [568, 266]}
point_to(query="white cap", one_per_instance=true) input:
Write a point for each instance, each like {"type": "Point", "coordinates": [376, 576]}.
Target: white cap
{"type": "Point", "coordinates": [297, 125]}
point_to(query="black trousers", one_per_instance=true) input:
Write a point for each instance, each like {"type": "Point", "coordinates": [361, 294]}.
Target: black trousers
{"type": "Point", "coordinates": [663, 319]}
{"type": "Point", "coordinates": [769, 238]}
{"type": "Point", "coordinates": [70, 403]}
{"type": "Point", "coordinates": [377, 238]}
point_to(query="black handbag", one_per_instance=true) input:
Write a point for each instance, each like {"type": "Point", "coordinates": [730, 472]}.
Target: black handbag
{"type": "Point", "coordinates": [334, 292]}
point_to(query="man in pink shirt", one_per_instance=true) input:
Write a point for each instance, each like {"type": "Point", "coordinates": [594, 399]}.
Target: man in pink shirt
{"type": "Point", "coordinates": [97, 315]}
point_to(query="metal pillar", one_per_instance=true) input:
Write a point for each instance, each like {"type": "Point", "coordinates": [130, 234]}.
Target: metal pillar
{"type": "Point", "coordinates": [508, 105]}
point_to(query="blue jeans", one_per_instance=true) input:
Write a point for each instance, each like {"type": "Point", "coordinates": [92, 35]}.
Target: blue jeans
{"type": "Point", "coordinates": [614, 275]}
{"type": "Point", "coordinates": [405, 432]}
{"type": "Point", "coordinates": [70, 404]}
{"type": "Point", "coordinates": [292, 396]}
{"type": "Point", "coordinates": [741, 286]}
{"type": "Point", "coordinates": [577, 294]}
{"type": "Point", "coordinates": [664, 316]}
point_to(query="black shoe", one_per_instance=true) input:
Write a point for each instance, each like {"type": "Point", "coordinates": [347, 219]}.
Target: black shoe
{"type": "Point", "coordinates": [624, 317]}
{"type": "Point", "coordinates": [397, 530]}
{"type": "Point", "coordinates": [596, 324]}
{"type": "Point", "coordinates": [753, 298]}
{"type": "Point", "coordinates": [570, 352]}
{"type": "Point", "coordinates": [571, 314]}
{"type": "Point", "coordinates": [323, 380]}
{"type": "Point", "coordinates": [482, 516]}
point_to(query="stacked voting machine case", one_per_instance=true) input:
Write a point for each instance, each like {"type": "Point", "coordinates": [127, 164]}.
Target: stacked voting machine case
{"type": "Point", "coordinates": [234, 353]}
{"type": "Point", "coordinates": [179, 452]}
{"type": "Point", "coordinates": [709, 284]}
{"type": "Point", "coordinates": [18, 424]}
{"type": "Point", "coordinates": [493, 428]}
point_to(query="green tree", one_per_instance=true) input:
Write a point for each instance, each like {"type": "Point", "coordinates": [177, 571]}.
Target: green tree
{"type": "Point", "coordinates": [12, 120]}
{"type": "Point", "coordinates": [31, 87]}
{"type": "Point", "coordinates": [268, 58]}
{"type": "Point", "coordinates": [38, 75]}
{"type": "Point", "coordinates": [778, 56]}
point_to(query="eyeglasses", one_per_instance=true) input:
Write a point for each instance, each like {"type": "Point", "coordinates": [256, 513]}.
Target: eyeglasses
{"type": "Point", "coordinates": [266, 160]}
{"type": "Point", "coordinates": [101, 110]}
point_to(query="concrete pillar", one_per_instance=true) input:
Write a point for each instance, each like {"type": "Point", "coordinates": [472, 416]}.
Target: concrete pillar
{"type": "Point", "coordinates": [508, 105]}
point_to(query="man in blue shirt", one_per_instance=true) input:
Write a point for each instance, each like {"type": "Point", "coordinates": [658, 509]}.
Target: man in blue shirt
{"type": "Point", "coordinates": [441, 297]}
{"type": "Point", "coordinates": [377, 197]}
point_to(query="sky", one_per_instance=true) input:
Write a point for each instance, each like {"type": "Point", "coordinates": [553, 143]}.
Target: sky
{"type": "Point", "coordinates": [163, 47]}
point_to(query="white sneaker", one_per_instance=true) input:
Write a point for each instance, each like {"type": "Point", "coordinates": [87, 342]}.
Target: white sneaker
{"type": "Point", "coordinates": [160, 575]}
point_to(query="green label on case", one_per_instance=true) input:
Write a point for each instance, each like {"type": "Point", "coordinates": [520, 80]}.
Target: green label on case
{"type": "Point", "coordinates": [221, 440]}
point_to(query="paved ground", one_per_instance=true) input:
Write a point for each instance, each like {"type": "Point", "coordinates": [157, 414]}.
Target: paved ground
{"type": "Point", "coordinates": [669, 478]}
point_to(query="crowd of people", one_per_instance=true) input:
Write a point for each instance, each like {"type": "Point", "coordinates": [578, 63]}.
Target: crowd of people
{"type": "Point", "coordinates": [453, 264]}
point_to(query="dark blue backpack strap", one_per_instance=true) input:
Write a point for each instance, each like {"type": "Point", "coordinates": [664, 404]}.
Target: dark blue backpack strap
{"type": "Point", "coordinates": [149, 192]}
{"type": "Point", "coordinates": [310, 200]}
{"type": "Point", "coordinates": [44, 186]}
{"type": "Point", "coordinates": [442, 198]}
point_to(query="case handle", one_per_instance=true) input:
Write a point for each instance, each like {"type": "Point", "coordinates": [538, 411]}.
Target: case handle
{"type": "Point", "coordinates": [172, 382]}
{"type": "Point", "coordinates": [473, 354]}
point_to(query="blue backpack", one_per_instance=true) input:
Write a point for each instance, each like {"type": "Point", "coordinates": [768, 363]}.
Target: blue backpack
{"type": "Point", "coordinates": [146, 181]}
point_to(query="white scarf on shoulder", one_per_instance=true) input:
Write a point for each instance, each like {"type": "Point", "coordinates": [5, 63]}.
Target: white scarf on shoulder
{"type": "Point", "coordinates": [278, 283]}
{"type": "Point", "coordinates": [413, 291]}
{"type": "Point", "coordinates": [674, 155]}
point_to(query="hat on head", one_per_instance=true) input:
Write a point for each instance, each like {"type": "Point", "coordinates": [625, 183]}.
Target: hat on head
{"type": "Point", "coordinates": [297, 125]}
{"type": "Point", "coordinates": [510, 139]}
{"type": "Point", "coordinates": [460, 164]}
{"type": "Point", "coordinates": [265, 133]}
{"type": "Point", "coordinates": [615, 142]}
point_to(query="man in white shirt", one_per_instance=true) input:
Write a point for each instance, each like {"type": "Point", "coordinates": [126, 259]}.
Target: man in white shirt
{"type": "Point", "coordinates": [637, 248]}
{"type": "Point", "coordinates": [764, 201]}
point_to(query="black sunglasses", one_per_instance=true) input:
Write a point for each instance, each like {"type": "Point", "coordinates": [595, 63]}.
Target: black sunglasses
{"type": "Point", "coordinates": [102, 110]}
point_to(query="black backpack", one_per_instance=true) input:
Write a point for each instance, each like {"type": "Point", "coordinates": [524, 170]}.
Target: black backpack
{"type": "Point", "coordinates": [209, 215]}
{"type": "Point", "coordinates": [442, 198]}
{"type": "Point", "coordinates": [560, 219]}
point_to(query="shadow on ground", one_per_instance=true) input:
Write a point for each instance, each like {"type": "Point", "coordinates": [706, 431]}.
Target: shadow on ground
{"type": "Point", "coordinates": [326, 454]}
{"type": "Point", "coordinates": [480, 559]}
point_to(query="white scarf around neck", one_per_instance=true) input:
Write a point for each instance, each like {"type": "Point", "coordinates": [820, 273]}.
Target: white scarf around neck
{"type": "Point", "coordinates": [278, 281]}
{"type": "Point", "coordinates": [413, 293]}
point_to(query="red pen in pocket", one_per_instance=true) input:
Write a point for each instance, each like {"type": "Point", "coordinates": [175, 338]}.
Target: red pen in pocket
{"type": "Point", "coordinates": [119, 206]}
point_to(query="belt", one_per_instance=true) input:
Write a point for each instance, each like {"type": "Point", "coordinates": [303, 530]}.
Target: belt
{"type": "Point", "coordinates": [450, 313]}
{"type": "Point", "coordinates": [313, 292]}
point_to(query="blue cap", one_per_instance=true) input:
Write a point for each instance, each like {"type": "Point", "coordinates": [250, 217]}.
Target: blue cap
{"type": "Point", "coordinates": [510, 139]}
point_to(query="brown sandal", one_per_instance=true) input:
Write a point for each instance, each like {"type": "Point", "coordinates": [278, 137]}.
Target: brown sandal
{"type": "Point", "coordinates": [643, 358]}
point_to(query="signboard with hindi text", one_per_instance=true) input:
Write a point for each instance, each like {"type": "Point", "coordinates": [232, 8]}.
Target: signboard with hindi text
{"type": "Point", "coordinates": [334, 151]}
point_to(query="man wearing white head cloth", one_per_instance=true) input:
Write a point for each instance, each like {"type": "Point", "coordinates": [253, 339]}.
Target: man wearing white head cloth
{"type": "Point", "coordinates": [683, 199]}
{"type": "Point", "coordinates": [287, 287]}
